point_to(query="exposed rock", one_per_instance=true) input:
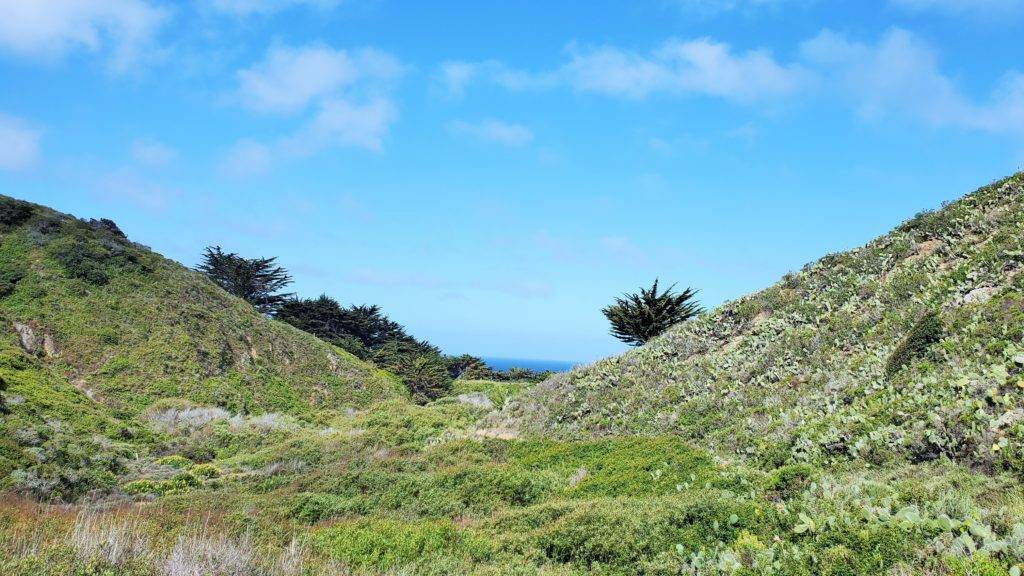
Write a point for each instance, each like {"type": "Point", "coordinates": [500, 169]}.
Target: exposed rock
{"type": "Point", "coordinates": [477, 399]}
{"type": "Point", "coordinates": [980, 295]}
{"type": "Point", "coordinates": [35, 343]}
{"type": "Point", "coordinates": [577, 477]}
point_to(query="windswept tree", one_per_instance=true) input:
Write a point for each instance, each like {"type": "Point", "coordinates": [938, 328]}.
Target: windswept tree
{"type": "Point", "coordinates": [637, 318]}
{"type": "Point", "coordinates": [258, 281]}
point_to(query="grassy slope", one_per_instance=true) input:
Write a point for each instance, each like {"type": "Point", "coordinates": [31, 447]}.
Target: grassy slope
{"type": "Point", "coordinates": [153, 330]}
{"type": "Point", "coordinates": [788, 452]}
{"type": "Point", "coordinates": [796, 372]}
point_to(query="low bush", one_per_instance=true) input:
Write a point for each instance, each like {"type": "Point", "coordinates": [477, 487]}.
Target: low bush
{"type": "Point", "coordinates": [386, 544]}
{"type": "Point", "coordinates": [925, 332]}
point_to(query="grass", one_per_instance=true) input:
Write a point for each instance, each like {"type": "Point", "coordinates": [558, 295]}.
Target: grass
{"type": "Point", "coordinates": [169, 430]}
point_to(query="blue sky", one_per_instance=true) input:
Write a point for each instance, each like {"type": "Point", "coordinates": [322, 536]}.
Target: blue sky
{"type": "Point", "coordinates": [493, 173]}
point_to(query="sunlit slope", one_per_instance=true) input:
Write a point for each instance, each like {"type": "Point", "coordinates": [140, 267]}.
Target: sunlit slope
{"type": "Point", "coordinates": [125, 327]}
{"type": "Point", "coordinates": [797, 371]}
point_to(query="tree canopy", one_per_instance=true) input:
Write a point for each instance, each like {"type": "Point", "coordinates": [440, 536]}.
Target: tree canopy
{"type": "Point", "coordinates": [258, 281]}
{"type": "Point", "coordinates": [637, 318]}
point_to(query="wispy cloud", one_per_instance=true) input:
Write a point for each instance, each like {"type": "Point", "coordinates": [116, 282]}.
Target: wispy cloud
{"type": "Point", "coordinates": [290, 78]}
{"type": "Point", "coordinates": [246, 158]}
{"type": "Point", "coordinates": [344, 97]}
{"type": "Point", "coordinates": [19, 143]}
{"type": "Point", "coordinates": [676, 67]}
{"type": "Point", "coordinates": [494, 131]}
{"type": "Point", "coordinates": [153, 154]}
{"type": "Point", "coordinates": [265, 7]}
{"type": "Point", "coordinates": [899, 76]}
{"type": "Point", "coordinates": [126, 29]}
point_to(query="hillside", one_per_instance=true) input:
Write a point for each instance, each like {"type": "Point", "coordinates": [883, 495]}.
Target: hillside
{"type": "Point", "coordinates": [796, 372]}
{"type": "Point", "coordinates": [764, 438]}
{"type": "Point", "coordinates": [96, 329]}
{"type": "Point", "coordinates": [127, 326]}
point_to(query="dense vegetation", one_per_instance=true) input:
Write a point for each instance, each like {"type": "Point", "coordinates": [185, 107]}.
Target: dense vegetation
{"type": "Point", "coordinates": [861, 417]}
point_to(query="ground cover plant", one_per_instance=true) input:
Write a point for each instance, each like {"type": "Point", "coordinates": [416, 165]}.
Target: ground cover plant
{"type": "Point", "coordinates": [862, 416]}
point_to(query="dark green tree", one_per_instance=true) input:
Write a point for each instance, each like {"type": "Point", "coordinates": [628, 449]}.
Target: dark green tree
{"type": "Point", "coordinates": [637, 318]}
{"type": "Point", "coordinates": [419, 365]}
{"type": "Point", "coordinates": [330, 321]}
{"type": "Point", "coordinates": [258, 281]}
{"type": "Point", "coordinates": [468, 367]}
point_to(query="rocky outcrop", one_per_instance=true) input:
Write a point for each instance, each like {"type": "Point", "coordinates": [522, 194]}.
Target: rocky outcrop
{"type": "Point", "coordinates": [34, 341]}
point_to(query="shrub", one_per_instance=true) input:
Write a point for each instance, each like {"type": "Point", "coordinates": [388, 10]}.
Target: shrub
{"type": "Point", "coordinates": [67, 469]}
{"type": "Point", "coordinates": [14, 212]}
{"type": "Point", "coordinates": [205, 471]}
{"type": "Point", "coordinates": [788, 481]}
{"type": "Point", "coordinates": [9, 280]}
{"type": "Point", "coordinates": [926, 332]}
{"type": "Point", "coordinates": [175, 461]}
{"type": "Point", "coordinates": [384, 544]}
{"type": "Point", "coordinates": [139, 487]}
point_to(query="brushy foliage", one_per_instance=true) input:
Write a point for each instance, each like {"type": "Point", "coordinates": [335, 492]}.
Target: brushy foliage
{"type": "Point", "coordinates": [258, 281]}
{"type": "Point", "coordinates": [639, 317]}
{"type": "Point", "coordinates": [761, 439]}
{"type": "Point", "coordinates": [797, 373]}
{"type": "Point", "coordinates": [14, 212]}
{"type": "Point", "coordinates": [926, 332]}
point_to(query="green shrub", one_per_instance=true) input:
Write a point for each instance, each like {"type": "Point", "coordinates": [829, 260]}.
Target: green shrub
{"type": "Point", "coordinates": [139, 487]}
{"type": "Point", "coordinates": [205, 471]}
{"type": "Point", "coordinates": [14, 212]}
{"type": "Point", "coordinates": [9, 280]}
{"type": "Point", "coordinates": [385, 544]}
{"type": "Point", "coordinates": [926, 332]}
{"type": "Point", "coordinates": [175, 461]}
{"type": "Point", "coordinates": [314, 507]}
{"type": "Point", "coordinates": [790, 480]}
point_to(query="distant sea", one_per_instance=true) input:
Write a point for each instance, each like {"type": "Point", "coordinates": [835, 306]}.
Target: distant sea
{"type": "Point", "coordinates": [540, 365]}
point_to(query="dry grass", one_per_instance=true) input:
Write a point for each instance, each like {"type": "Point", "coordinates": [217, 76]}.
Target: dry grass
{"type": "Point", "coordinates": [136, 540]}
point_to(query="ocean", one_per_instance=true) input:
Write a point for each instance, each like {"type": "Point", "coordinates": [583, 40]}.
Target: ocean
{"type": "Point", "coordinates": [539, 365]}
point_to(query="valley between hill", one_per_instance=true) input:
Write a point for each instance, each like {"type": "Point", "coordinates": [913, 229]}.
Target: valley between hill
{"type": "Point", "coordinates": [156, 425]}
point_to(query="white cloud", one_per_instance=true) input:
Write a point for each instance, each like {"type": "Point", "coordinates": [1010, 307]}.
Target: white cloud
{"type": "Point", "coordinates": [344, 97]}
{"type": "Point", "coordinates": [900, 77]}
{"type": "Point", "coordinates": [19, 144]}
{"type": "Point", "coordinates": [494, 131]}
{"type": "Point", "coordinates": [50, 29]}
{"type": "Point", "coordinates": [454, 77]}
{"type": "Point", "coordinates": [153, 154]}
{"type": "Point", "coordinates": [683, 67]}
{"type": "Point", "coordinates": [692, 67]}
{"type": "Point", "coordinates": [341, 123]}
{"type": "Point", "coordinates": [246, 158]}
{"type": "Point", "coordinates": [288, 79]}
{"type": "Point", "coordinates": [251, 7]}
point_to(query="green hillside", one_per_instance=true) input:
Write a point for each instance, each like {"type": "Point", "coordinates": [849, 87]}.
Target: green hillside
{"type": "Point", "coordinates": [127, 327]}
{"type": "Point", "coordinates": [96, 329]}
{"type": "Point", "coordinates": [863, 416]}
{"type": "Point", "coordinates": [797, 372]}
